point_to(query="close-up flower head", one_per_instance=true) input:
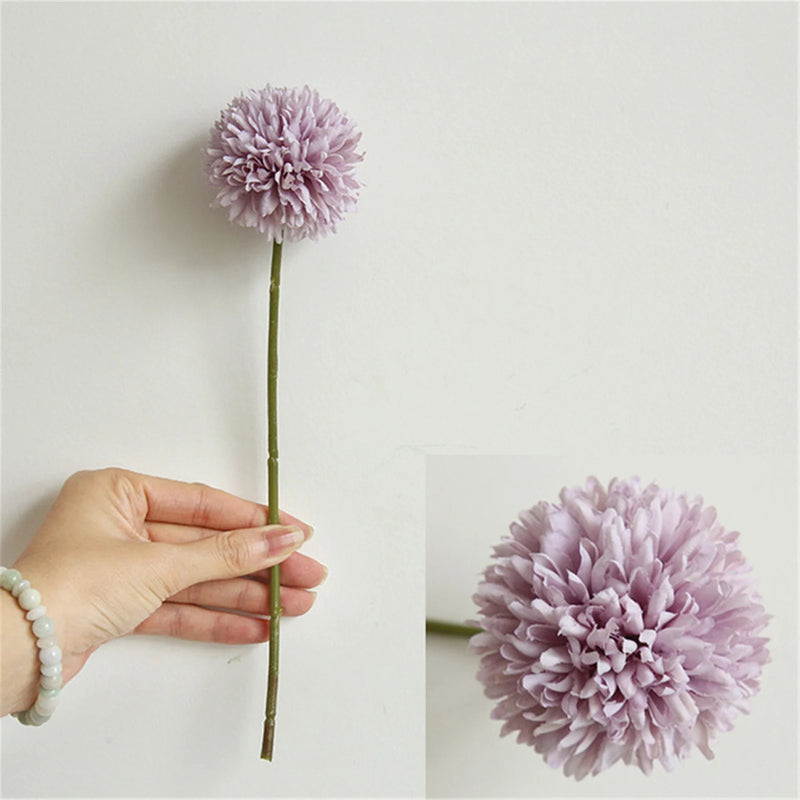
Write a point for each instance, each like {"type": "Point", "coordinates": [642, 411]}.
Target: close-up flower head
{"type": "Point", "coordinates": [621, 623]}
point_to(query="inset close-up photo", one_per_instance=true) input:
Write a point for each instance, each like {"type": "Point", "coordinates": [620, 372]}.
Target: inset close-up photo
{"type": "Point", "coordinates": [616, 635]}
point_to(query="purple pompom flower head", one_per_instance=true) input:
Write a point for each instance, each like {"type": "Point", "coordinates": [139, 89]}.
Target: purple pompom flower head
{"type": "Point", "coordinates": [283, 161]}
{"type": "Point", "coordinates": [620, 624]}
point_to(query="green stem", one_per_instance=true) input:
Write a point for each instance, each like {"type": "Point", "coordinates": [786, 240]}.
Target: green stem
{"type": "Point", "coordinates": [450, 628]}
{"type": "Point", "coordinates": [275, 610]}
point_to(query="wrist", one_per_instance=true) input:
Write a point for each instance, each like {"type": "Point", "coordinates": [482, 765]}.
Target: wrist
{"type": "Point", "coordinates": [19, 659]}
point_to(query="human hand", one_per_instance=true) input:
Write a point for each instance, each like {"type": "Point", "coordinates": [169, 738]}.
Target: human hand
{"type": "Point", "coordinates": [121, 552]}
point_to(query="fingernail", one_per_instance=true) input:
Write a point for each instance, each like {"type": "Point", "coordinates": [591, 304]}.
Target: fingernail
{"type": "Point", "coordinates": [324, 574]}
{"type": "Point", "coordinates": [285, 539]}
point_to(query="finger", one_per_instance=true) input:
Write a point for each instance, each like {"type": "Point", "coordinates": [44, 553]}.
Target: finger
{"type": "Point", "coordinates": [229, 554]}
{"type": "Point", "coordinates": [197, 504]}
{"type": "Point", "coordinates": [298, 570]}
{"type": "Point", "coordinates": [245, 595]}
{"type": "Point", "coordinates": [174, 533]}
{"type": "Point", "coordinates": [204, 625]}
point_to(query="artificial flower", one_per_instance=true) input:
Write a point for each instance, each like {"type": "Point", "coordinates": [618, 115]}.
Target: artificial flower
{"type": "Point", "coordinates": [619, 624]}
{"type": "Point", "coordinates": [283, 161]}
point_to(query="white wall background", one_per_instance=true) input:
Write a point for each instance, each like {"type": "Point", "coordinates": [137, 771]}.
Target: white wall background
{"type": "Point", "coordinates": [578, 235]}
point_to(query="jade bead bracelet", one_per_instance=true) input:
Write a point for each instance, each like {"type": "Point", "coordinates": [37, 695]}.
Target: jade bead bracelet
{"type": "Point", "coordinates": [50, 678]}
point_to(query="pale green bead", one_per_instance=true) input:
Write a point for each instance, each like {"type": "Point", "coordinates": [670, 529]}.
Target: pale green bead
{"type": "Point", "coordinates": [10, 578]}
{"type": "Point", "coordinates": [20, 588]}
{"type": "Point", "coordinates": [35, 613]}
{"type": "Point", "coordinates": [50, 655]}
{"type": "Point", "coordinates": [48, 641]}
{"type": "Point", "coordinates": [29, 599]}
{"type": "Point", "coordinates": [51, 681]}
{"type": "Point", "coordinates": [51, 669]}
{"type": "Point", "coordinates": [45, 705]}
{"type": "Point", "coordinates": [49, 692]}
{"type": "Point", "coordinates": [35, 718]}
{"type": "Point", "coordinates": [43, 626]}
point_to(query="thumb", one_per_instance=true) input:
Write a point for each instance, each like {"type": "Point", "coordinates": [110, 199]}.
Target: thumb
{"type": "Point", "coordinates": [230, 554]}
